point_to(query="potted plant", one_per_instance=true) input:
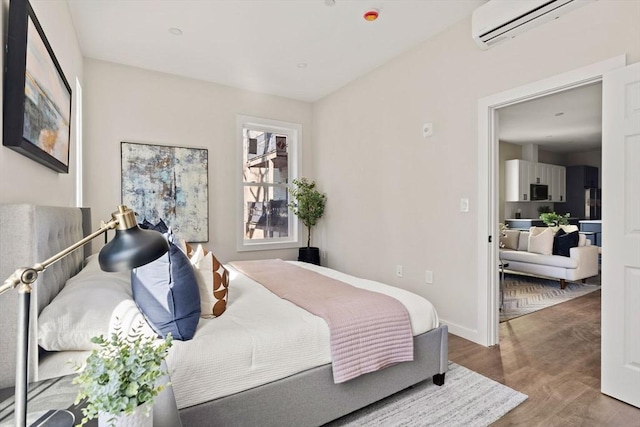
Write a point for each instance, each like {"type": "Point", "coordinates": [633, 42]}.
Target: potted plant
{"type": "Point", "coordinates": [552, 219]}
{"type": "Point", "coordinates": [308, 205]}
{"type": "Point", "coordinates": [121, 379]}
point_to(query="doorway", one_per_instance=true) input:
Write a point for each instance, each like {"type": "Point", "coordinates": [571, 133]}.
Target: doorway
{"type": "Point", "coordinates": [488, 301]}
{"type": "Point", "coordinates": [553, 137]}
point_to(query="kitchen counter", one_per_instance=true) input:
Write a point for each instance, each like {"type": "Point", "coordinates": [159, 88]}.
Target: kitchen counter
{"type": "Point", "coordinates": [590, 221]}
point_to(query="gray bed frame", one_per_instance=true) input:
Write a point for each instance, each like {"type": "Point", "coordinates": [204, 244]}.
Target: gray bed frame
{"type": "Point", "coordinates": [30, 233]}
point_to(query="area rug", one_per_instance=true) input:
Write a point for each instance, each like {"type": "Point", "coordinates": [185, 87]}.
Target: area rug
{"type": "Point", "coordinates": [466, 399]}
{"type": "Point", "coordinates": [524, 294]}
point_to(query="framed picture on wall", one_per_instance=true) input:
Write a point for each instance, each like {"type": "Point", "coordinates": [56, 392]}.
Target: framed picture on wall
{"type": "Point", "coordinates": [167, 183]}
{"type": "Point", "coordinates": [37, 98]}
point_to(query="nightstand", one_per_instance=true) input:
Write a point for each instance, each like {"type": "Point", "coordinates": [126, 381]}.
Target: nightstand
{"type": "Point", "coordinates": [60, 393]}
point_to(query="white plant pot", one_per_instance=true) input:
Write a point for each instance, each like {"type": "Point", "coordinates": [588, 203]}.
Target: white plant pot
{"type": "Point", "coordinates": [138, 418]}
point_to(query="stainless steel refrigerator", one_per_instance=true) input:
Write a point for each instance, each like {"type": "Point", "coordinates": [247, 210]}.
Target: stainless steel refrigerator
{"type": "Point", "coordinates": [592, 204]}
{"type": "Point", "coordinates": [583, 197]}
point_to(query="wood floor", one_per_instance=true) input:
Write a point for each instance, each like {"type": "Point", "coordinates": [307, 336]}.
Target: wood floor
{"type": "Point", "coordinates": [553, 356]}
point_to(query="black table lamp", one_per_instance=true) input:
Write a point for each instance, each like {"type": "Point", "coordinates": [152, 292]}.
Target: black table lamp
{"type": "Point", "coordinates": [130, 248]}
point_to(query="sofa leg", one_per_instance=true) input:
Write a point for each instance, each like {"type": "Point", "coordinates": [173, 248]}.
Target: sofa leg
{"type": "Point", "coordinates": [562, 284]}
{"type": "Point", "coordinates": [584, 280]}
{"type": "Point", "coordinates": [438, 379]}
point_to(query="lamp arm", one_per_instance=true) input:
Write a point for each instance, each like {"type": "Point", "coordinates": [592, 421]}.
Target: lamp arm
{"type": "Point", "coordinates": [27, 276]}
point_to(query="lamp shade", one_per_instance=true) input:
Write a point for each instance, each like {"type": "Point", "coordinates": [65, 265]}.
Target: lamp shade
{"type": "Point", "coordinates": [132, 248]}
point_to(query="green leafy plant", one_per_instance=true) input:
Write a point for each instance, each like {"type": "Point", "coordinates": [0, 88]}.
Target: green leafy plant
{"type": "Point", "coordinates": [122, 374]}
{"type": "Point", "coordinates": [553, 219]}
{"type": "Point", "coordinates": [308, 205]}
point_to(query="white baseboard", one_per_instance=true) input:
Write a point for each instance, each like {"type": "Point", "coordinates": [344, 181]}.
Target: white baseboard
{"type": "Point", "coordinates": [463, 332]}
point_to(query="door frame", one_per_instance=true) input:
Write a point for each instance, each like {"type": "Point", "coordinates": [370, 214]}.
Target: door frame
{"type": "Point", "coordinates": [487, 270]}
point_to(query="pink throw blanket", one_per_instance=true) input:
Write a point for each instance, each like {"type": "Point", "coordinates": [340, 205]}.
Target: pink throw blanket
{"type": "Point", "coordinates": [369, 330]}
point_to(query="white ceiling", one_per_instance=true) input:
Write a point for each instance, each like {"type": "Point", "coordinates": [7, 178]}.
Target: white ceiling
{"type": "Point", "coordinates": [258, 44]}
{"type": "Point", "coordinates": [578, 128]}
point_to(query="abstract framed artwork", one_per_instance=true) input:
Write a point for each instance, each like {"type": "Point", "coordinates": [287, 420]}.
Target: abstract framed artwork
{"type": "Point", "coordinates": [168, 183]}
{"type": "Point", "coordinates": [37, 99]}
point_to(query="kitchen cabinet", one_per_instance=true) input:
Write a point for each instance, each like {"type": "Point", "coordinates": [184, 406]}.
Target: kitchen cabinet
{"type": "Point", "coordinates": [558, 187]}
{"type": "Point", "coordinates": [582, 176]}
{"type": "Point", "coordinates": [519, 174]}
{"type": "Point", "coordinates": [593, 230]}
{"type": "Point", "coordinates": [543, 174]}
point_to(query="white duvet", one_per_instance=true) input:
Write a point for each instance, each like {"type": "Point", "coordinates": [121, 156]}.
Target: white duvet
{"type": "Point", "coordinates": [261, 338]}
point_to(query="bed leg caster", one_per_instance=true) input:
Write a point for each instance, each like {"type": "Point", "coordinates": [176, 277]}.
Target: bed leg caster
{"type": "Point", "coordinates": [438, 379]}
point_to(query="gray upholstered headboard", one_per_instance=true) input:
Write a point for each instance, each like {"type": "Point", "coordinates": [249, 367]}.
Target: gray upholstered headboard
{"type": "Point", "coordinates": [31, 234]}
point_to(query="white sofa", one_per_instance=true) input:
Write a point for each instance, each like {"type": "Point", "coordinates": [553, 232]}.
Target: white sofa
{"type": "Point", "coordinates": [580, 265]}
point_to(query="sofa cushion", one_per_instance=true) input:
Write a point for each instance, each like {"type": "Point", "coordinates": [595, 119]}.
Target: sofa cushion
{"type": "Point", "coordinates": [563, 242]}
{"type": "Point", "coordinates": [523, 242]}
{"type": "Point", "coordinates": [541, 240]}
{"type": "Point", "coordinates": [509, 239]}
{"type": "Point", "coordinates": [534, 258]}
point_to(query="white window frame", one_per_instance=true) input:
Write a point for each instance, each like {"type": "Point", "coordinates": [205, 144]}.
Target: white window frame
{"type": "Point", "coordinates": [294, 138]}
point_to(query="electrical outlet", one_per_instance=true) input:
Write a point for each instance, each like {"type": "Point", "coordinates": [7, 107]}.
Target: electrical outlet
{"type": "Point", "coordinates": [399, 271]}
{"type": "Point", "coordinates": [428, 277]}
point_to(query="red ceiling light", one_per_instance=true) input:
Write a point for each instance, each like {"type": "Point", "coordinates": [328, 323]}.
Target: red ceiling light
{"type": "Point", "coordinates": [371, 15]}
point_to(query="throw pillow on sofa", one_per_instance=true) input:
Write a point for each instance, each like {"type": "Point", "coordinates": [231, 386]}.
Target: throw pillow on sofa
{"type": "Point", "coordinates": [541, 240]}
{"type": "Point", "coordinates": [509, 239]}
{"type": "Point", "coordinates": [563, 242]}
{"type": "Point", "coordinates": [166, 291]}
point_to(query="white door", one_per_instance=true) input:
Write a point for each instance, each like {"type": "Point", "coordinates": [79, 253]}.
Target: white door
{"type": "Point", "coordinates": [621, 234]}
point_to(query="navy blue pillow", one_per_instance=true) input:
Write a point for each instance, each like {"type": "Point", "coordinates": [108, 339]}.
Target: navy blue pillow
{"type": "Point", "coordinates": [563, 242]}
{"type": "Point", "coordinates": [166, 292]}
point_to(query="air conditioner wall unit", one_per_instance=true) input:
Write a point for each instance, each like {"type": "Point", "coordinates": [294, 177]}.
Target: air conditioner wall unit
{"type": "Point", "coordinates": [500, 20]}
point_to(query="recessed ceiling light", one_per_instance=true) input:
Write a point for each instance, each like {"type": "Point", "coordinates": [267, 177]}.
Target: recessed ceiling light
{"type": "Point", "coordinates": [302, 65]}
{"type": "Point", "coordinates": [175, 31]}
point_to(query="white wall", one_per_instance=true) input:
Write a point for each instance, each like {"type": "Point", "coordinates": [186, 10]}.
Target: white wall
{"type": "Point", "coordinates": [22, 180]}
{"type": "Point", "coordinates": [129, 104]}
{"type": "Point", "coordinates": [393, 196]}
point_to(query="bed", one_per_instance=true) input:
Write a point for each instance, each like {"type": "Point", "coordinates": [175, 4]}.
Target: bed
{"type": "Point", "coordinates": [301, 391]}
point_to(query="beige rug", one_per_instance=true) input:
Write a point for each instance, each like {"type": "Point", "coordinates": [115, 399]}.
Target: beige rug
{"type": "Point", "coordinates": [524, 294]}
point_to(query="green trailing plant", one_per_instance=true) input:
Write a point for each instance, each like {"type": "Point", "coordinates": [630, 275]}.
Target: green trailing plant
{"type": "Point", "coordinates": [308, 204]}
{"type": "Point", "coordinates": [552, 219]}
{"type": "Point", "coordinates": [123, 374]}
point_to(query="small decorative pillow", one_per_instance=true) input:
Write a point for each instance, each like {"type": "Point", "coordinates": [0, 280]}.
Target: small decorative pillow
{"type": "Point", "coordinates": [166, 292]}
{"type": "Point", "coordinates": [541, 240]}
{"type": "Point", "coordinates": [563, 242]}
{"type": "Point", "coordinates": [213, 282]}
{"type": "Point", "coordinates": [569, 228]}
{"type": "Point", "coordinates": [509, 239]}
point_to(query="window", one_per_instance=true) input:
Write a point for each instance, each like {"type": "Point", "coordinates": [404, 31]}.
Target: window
{"type": "Point", "coordinates": [269, 162]}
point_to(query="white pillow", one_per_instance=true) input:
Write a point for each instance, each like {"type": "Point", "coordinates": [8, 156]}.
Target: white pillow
{"type": "Point", "coordinates": [509, 239]}
{"type": "Point", "coordinates": [541, 240]}
{"type": "Point", "coordinates": [213, 300]}
{"type": "Point", "coordinates": [523, 242]}
{"type": "Point", "coordinates": [569, 228]}
{"type": "Point", "coordinates": [86, 307]}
